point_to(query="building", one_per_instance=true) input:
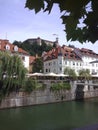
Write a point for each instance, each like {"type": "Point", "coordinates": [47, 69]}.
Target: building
{"type": "Point", "coordinates": [5, 45]}
{"type": "Point", "coordinates": [59, 58]}
{"type": "Point", "coordinates": [39, 41]}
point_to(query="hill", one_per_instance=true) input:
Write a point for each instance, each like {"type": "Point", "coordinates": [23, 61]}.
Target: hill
{"type": "Point", "coordinates": [34, 48]}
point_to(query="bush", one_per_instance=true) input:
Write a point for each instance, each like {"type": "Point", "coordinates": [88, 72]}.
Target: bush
{"type": "Point", "coordinates": [59, 86]}
{"type": "Point", "coordinates": [30, 85]}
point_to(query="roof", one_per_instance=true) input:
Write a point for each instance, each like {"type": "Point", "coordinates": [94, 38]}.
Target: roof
{"type": "Point", "coordinates": [68, 53]}
{"type": "Point", "coordinates": [6, 45]}
{"type": "Point", "coordinates": [88, 52]}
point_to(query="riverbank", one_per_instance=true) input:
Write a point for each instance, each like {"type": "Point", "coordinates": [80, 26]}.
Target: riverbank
{"type": "Point", "coordinates": [18, 99]}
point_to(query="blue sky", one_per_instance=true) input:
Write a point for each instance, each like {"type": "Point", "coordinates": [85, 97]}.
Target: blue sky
{"type": "Point", "coordinates": [19, 23]}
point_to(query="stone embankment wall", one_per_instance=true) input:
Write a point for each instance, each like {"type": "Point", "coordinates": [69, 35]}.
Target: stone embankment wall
{"type": "Point", "coordinates": [34, 98]}
{"type": "Point", "coordinates": [47, 96]}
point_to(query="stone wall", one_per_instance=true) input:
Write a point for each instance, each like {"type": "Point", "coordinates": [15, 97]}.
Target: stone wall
{"type": "Point", "coordinates": [36, 97]}
{"type": "Point", "coordinates": [46, 96]}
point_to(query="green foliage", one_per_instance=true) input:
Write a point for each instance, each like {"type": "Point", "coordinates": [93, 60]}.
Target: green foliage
{"type": "Point", "coordinates": [67, 86]}
{"type": "Point", "coordinates": [34, 48]}
{"type": "Point", "coordinates": [38, 65]}
{"type": "Point", "coordinates": [29, 85]}
{"type": "Point", "coordinates": [85, 73]}
{"type": "Point", "coordinates": [40, 86]}
{"type": "Point", "coordinates": [35, 4]}
{"type": "Point", "coordinates": [73, 12]}
{"type": "Point", "coordinates": [60, 86]}
{"type": "Point", "coordinates": [12, 73]}
{"type": "Point", "coordinates": [70, 72]}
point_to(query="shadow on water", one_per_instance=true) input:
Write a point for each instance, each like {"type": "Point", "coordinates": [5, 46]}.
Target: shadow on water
{"type": "Point", "coordinates": [79, 92]}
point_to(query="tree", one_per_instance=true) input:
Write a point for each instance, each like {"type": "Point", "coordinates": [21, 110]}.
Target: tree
{"type": "Point", "coordinates": [12, 73]}
{"type": "Point", "coordinates": [38, 65]}
{"type": "Point", "coordinates": [17, 43]}
{"type": "Point", "coordinates": [33, 48]}
{"type": "Point", "coordinates": [73, 12]}
{"type": "Point", "coordinates": [85, 73]}
{"type": "Point", "coordinates": [70, 72]}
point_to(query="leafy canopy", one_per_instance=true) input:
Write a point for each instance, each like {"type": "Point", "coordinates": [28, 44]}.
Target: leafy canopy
{"type": "Point", "coordinates": [85, 73]}
{"type": "Point", "coordinates": [73, 12]}
{"type": "Point", "coordinates": [34, 48]}
{"type": "Point", "coordinates": [12, 73]}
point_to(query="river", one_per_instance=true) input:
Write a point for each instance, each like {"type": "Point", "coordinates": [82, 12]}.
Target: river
{"type": "Point", "coordinates": [58, 116]}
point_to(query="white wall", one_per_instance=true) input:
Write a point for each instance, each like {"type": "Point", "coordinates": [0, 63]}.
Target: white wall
{"type": "Point", "coordinates": [58, 65]}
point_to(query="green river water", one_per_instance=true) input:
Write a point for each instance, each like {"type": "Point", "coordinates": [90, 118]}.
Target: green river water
{"type": "Point", "coordinates": [57, 116]}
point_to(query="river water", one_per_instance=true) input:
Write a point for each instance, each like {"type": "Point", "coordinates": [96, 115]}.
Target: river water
{"type": "Point", "coordinates": [58, 116]}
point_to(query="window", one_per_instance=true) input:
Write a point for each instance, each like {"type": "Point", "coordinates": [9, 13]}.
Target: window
{"type": "Point", "coordinates": [60, 62]}
{"type": "Point", "coordinates": [65, 62]}
{"type": "Point", "coordinates": [23, 58]}
{"type": "Point", "coordinates": [15, 48]}
{"type": "Point", "coordinates": [73, 63]}
{"type": "Point", "coordinates": [60, 69]}
{"type": "Point", "coordinates": [46, 70]}
{"type": "Point", "coordinates": [7, 47]}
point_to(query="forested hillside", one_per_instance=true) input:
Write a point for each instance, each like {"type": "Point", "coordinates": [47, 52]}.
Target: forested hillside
{"type": "Point", "coordinates": [34, 48]}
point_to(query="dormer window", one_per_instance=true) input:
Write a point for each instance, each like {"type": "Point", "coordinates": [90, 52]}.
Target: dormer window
{"type": "Point", "coordinates": [7, 47]}
{"type": "Point", "coordinates": [23, 58]}
{"type": "Point", "coordinates": [15, 48]}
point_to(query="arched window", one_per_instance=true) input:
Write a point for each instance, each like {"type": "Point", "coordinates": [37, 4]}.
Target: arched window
{"type": "Point", "coordinates": [7, 47]}
{"type": "Point", "coordinates": [15, 48]}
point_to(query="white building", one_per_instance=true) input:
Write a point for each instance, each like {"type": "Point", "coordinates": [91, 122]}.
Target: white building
{"type": "Point", "coordinates": [5, 45]}
{"type": "Point", "coordinates": [59, 58]}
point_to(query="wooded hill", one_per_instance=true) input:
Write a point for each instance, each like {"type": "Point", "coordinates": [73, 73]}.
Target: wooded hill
{"type": "Point", "coordinates": [34, 48]}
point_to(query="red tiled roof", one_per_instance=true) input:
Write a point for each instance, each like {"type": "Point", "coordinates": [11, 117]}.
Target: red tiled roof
{"type": "Point", "coordinates": [68, 53]}
{"type": "Point", "coordinates": [88, 52]}
{"type": "Point", "coordinates": [5, 43]}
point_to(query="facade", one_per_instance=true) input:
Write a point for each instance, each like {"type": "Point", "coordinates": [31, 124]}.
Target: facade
{"type": "Point", "coordinates": [5, 45]}
{"type": "Point", "coordinates": [59, 58]}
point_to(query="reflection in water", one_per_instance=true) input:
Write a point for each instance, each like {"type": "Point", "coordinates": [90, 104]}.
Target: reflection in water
{"type": "Point", "coordinates": [58, 116]}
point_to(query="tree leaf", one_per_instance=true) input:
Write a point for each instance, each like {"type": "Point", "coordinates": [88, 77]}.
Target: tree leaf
{"type": "Point", "coordinates": [37, 5]}
{"type": "Point", "coordinates": [73, 11]}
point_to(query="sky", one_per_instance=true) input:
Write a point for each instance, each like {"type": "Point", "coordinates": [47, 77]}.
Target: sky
{"type": "Point", "coordinates": [20, 23]}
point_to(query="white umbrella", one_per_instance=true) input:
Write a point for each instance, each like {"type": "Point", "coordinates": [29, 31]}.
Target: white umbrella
{"type": "Point", "coordinates": [51, 74]}
{"type": "Point", "coordinates": [61, 75]}
{"type": "Point", "coordinates": [35, 74]}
